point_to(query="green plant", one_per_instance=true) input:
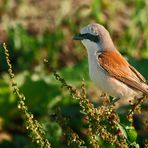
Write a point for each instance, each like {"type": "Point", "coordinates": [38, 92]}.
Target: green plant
{"type": "Point", "coordinates": [37, 133]}
{"type": "Point", "coordinates": [104, 124]}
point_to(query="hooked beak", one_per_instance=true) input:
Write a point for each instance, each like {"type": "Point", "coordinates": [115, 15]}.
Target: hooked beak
{"type": "Point", "coordinates": [78, 37]}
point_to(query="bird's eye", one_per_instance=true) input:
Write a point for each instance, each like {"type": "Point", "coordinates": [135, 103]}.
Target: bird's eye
{"type": "Point", "coordinates": [94, 38]}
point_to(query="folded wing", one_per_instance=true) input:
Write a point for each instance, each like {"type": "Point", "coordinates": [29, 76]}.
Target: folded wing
{"type": "Point", "coordinates": [117, 67]}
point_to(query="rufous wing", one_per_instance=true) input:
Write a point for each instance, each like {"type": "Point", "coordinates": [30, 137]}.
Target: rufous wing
{"type": "Point", "coordinates": [137, 74]}
{"type": "Point", "coordinates": [116, 66]}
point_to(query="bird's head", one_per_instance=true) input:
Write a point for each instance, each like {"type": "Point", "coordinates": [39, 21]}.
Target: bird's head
{"type": "Point", "coordinates": [95, 37]}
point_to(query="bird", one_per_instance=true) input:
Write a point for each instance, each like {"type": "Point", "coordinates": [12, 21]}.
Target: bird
{"type": "Point", "coordinates": [108, 69]}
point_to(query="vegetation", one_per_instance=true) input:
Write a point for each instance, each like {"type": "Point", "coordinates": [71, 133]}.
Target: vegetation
{"type": "Point", "coordinates": [61, 108]}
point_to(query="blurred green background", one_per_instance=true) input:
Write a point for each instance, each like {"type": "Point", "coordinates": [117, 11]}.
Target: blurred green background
{"type": "Point", "coordinates": [35, 30]}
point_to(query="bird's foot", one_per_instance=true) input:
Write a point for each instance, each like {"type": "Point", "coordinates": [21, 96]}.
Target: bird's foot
{"type": "Point", "coordinates": [112, 103]}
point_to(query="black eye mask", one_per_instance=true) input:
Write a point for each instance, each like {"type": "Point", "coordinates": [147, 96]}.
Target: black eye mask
{"type": "Point", "coordinates": [94, 38]}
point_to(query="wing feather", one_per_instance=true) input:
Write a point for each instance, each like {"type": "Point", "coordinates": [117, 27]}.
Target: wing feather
{"type": "Point", "coordinates": [137, 74]}
{"type": "Point", "coordinates": [119, 68]}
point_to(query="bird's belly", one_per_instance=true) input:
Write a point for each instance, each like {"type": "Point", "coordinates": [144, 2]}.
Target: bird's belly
{"type": "Point", "coordinates": [108, 84]}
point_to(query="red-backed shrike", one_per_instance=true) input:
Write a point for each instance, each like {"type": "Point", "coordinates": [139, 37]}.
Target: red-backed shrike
{"type": "Point", "coordinates": [107, 67]}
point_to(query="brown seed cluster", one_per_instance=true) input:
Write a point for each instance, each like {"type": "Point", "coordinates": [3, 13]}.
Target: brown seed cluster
{"type": "Point", "coordinates": [37, 133]}
{"type": "Point", "coordinates": [102, 121]}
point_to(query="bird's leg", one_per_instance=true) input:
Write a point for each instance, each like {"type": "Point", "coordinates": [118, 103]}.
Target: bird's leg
{"type": "Point", "coordinates": [113, 101]}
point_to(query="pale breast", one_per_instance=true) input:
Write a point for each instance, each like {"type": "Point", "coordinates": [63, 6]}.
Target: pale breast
{"type": "Point", "coordinates": [108, 84]}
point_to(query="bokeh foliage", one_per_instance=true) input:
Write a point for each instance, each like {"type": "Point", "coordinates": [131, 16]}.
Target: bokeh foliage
{"type": "Point", "coordinates": [35, 31]}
